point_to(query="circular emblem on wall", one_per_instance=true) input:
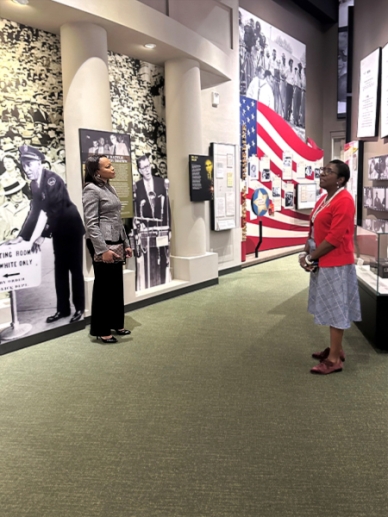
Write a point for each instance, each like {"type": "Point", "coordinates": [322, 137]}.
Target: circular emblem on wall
{"type": "Point", "coordinates": [51, 182]}
{"type": "Point", "coordinates": [260, 202]}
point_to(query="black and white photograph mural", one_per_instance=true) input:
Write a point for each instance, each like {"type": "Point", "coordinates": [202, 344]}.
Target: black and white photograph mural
{"type": "Point", "coordinates": [38, 221]}
{"type": "Point", "coordinates": [137, 99]}
{"type": "Point", "coordinates": [273, 69]}
{"type": "Point", "coordinates": [138, 109]}
{"type": "Point", "coordinates": [343, 6]}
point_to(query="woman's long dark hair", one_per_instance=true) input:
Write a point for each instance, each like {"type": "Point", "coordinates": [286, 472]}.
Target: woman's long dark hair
{"type": "Point", "coordinates": [92, 166]}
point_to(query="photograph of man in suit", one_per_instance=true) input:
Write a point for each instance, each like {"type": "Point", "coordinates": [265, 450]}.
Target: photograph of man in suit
{"type": "Point", "coordinates": [64, 225]}
{"type": "Point", "coordinates": [118, 148]}
{"type": "Point", "coordinates": [152, 218]}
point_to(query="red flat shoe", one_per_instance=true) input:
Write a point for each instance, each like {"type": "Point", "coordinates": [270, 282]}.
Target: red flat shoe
{"type": "Point", "coordinates": [326, 367]}
{"type": "Point", "coordinates": [321, 356]}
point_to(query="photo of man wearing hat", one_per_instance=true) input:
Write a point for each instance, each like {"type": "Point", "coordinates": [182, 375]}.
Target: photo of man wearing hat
{"type": "Point", "coordinates": [17, 207]}
{"type": "Point", "coordinates": [64, 225]}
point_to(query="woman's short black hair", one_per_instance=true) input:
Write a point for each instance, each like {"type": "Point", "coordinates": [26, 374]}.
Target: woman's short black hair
{"type": "Point", "coordinates": [343, 170]}
{"type": "Point", "coordinates": [92, 166]}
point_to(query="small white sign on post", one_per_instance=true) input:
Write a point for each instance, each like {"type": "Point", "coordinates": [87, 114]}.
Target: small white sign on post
{"type": "Point", "coordinates": [19, 267]}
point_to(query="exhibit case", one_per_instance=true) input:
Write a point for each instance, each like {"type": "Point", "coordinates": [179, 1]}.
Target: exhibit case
{"type": "Point", "coordinates": [372, 272]}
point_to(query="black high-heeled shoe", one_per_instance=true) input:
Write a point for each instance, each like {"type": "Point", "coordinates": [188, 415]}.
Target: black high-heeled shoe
{"type": "Point", "coordinates": [122, 332]}
{"type": "Point", "coordinates": [108, 340]}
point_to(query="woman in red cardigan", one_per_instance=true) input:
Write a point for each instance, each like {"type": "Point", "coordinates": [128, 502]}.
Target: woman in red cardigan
{"type": "Point", "coordinates": [329, 255]}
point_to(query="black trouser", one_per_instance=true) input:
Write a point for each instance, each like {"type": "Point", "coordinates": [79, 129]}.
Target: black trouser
{"type": "Point", "coordinates": [108, 296]}
{"type": "Point", "coordinates": [68, 250]}
{"type": "Point", "coordinates": [289, 95]}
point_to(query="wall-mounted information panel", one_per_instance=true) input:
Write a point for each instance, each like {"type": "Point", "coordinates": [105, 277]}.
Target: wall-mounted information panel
{"type": "Point", "coordinates": [224, 205]}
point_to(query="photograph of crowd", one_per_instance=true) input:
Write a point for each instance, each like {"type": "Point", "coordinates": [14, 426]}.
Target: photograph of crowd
{"type": "Point", "coordinates": [273, 69]}
{"type": "Point", "coordinates": [31, 109]}
{"type": "Point", "coordinates": [138, 109]}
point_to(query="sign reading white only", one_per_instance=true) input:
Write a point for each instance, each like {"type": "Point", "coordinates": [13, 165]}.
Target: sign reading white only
{"type": "Point", "coordinates": [19, 267]}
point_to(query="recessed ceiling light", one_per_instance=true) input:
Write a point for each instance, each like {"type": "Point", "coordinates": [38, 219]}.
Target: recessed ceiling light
{"type": "Point", "coordinates": [21, 2]}
{"type": "Point", "coordinates": [150, 45]}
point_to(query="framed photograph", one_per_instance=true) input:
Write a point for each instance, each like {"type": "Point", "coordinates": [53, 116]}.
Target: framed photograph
{"type": "Point", "coordinates": [373, 169]}
{"type": "Point", "coordinates": [342, 71]}
{"type": "Point", "coordinates": [306, 195]}
{"type": "Point", "coordinates": [368, 95]}
{"type": "Point", "coordinates": [368, 200]}
{"type": "Point", "coordinates": [384, 92]}
{"type": "Point", "coordinates": [378, 202]}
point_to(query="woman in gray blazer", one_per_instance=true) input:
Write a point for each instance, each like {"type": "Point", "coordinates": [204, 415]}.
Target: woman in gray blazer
{"type": "Point", "coordinates": [104, 228]}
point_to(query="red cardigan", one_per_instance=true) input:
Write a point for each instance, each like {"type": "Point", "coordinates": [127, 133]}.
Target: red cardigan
{"type": "Point", "coordinates": [335, 224]}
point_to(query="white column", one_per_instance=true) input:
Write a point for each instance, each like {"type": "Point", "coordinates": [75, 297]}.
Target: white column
{"type": "Point", "coordinates": [84, 50]}
{"type": "Point", "coordinates": [190, 260]}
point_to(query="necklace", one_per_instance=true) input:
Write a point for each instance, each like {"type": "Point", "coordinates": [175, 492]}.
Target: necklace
{"type": "Point", "coordinates": [324, 204]}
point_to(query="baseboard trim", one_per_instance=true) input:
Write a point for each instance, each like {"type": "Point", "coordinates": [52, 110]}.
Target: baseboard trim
{"type": "Point", "coordinates": [18, 344]}
{"type": "Point", "coordinates": [258, 261]}
{"type": "Point", "coordinates": [171, 294]}
{"type": "Point", "coordinates": [229, 270]}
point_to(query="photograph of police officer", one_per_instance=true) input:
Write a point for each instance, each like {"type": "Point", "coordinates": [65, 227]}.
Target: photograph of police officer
{"type": "Point", "coordinates": [64, 225]}
{"type": "Point", "coordinates": [151, 227]}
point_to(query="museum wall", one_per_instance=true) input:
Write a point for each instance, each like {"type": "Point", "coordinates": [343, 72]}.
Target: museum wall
{"type": "Point", "coordinates": [221, 125]}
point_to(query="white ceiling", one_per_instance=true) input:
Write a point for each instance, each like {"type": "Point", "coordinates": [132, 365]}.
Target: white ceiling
{"type": "Point", "coordinates": [50, 15]}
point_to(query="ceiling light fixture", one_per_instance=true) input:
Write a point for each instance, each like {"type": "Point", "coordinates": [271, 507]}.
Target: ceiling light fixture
{"type": "Point", "coordinates": [150, 45]}
{"type": "Point", "coordinates": [21, 2]}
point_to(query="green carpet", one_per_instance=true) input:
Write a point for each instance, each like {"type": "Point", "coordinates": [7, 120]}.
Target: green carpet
{"type": "Point", "coordinates": [208, 409]}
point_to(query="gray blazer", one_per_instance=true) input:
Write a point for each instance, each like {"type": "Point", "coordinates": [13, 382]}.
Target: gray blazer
{"type": "Point", "coordinates": [102, 211]}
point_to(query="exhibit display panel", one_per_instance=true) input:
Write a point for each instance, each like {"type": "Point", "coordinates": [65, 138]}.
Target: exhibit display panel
{"type": "Point", "coordinates": [384, 92]}
{"type": "Point", "coordinates": [283, 161]}
{"type": "Point", "coordinates": [372, 273]}
{"type": "Point", "coordinates": [372, 257]}
{"type": "Point", "coordinates": [368, 97]}
{"type": "Point", "coordinates": [224, 158]}
{"type": "Point", "coordinates": [201, 177]}
{"type": "Point", "coordinates": [117, 147]}
{"type": "Point", "coordinates": [272, 119]}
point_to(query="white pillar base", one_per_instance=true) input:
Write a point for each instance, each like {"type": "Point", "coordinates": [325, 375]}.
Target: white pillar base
{"type": "Point", "coordinates": [5, 313]}
{"type": "Point", "coordinates": [129, 286]}
{"type": "Point", "coordinates": [195, 269]}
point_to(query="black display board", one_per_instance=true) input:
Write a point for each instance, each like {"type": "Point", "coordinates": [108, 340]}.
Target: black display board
{"type": "Point", "coordinates": [201, 177]}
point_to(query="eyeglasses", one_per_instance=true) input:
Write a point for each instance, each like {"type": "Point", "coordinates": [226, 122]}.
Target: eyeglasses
{"type": "Point", "coordinates": [325, 171]}
{"type": "Point", "coordinates": [146, 167]}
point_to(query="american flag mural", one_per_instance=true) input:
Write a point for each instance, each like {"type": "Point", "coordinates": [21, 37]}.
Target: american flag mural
{"type": "Point", "coordinates": [268, 137]}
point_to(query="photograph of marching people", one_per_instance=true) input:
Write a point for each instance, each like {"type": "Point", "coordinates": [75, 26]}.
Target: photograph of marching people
{"type": "Point", "coordinates": [37, 217]}
{"type": "Point", "coordinates": [151, 232]}
{"type": "Point", "coordinates": [273, 69]}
